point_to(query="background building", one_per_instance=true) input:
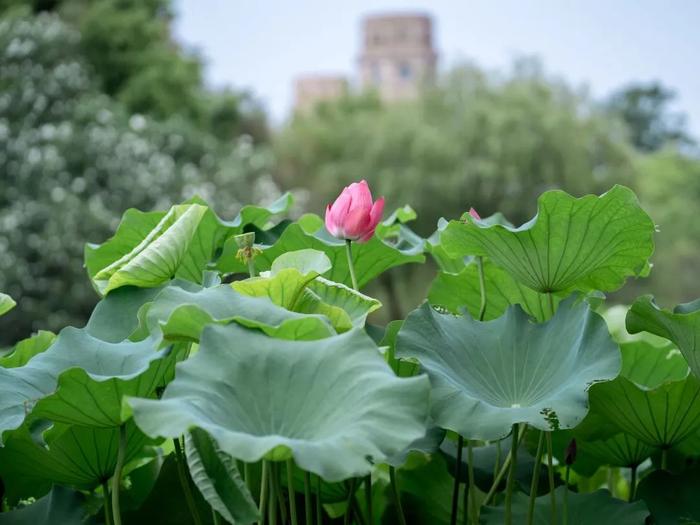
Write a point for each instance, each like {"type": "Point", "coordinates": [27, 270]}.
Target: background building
{"type": "Point", "coordinates": [398, 55]}
{"type": "Point", "coordinates": [396, 59]}
{"type": "Point", "coordinates": [311, 89]}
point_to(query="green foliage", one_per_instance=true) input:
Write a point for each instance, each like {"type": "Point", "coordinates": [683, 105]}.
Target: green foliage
{"type": "Point", "coordinates": [186, 349]}
{"type": "Point", "coordinates": [486, 377]}
{"type": "Point", "coordinates": [591, 243]}
{"type": "Point", "coordinates": [74, 159]}
{"type": "Point", "coordinates": [644, 109]}
{"type": "Point", "coordinates": [254, 408]}
{"type": "Point", "coordinates": [494, 142]}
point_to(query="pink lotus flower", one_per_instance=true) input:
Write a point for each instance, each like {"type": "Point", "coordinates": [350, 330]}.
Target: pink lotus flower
{"type": "Point", "coordinates": [474, 214]}
{"type": "Point", "coordinates": [353, 216]}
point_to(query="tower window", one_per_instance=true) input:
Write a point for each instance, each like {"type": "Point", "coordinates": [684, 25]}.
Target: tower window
{"type": "Point", "coordinates": [405, 71]}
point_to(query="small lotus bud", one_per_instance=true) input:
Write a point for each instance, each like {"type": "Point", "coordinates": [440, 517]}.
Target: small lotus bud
{"type": "Point", "coordinates": [353, 216]}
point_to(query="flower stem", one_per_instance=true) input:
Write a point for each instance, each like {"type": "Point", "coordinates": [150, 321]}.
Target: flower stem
{"type": "Point", "coordinates": [482, 287]}
{"type": "Point", "coordinates": [566, 496]}
{"type": "Point", "coordinates": [455, 486]}
{"type": "Point", "coordinates": [504, 468]}
{"type": "Point", "coordinates": [117, 478]}
{"type": "Point", "coordinates": [290, 492]}
{"type": "Point", "coordinates": [351, 264]}
{"type": "Point", "coordinates": [471, 487]}
{"type": "Point", "coordinates": [276, 474]}
{"type": "Point", "coordinates": [552, 495]}
{"type": "Point", "coordinates": [348, 503]}
{"type": "Point", "coordinates": [511, 476]}
{"type": "Point", "coordinates": [251, 268]}
{"type": "Point", "coordinates": [633, 482]}
{"type": "Point", "coordinates": [319, 510]}
{"type": "Point", "coordinates": [368, 496]}
{"type": "Point", "coordinates": [535, 479]}
{"type": "Point", "coordinates": [263, 490]}
{"type": "Point", "coordinates": [397, 496]}
{"type": "Point", "coordinates": [664, 459]}
{"type": "Point", "coordinates": [185, 482]}
{"type": "Point", "coordinates": [307, 498]}
{"type": "Point", "coordinates": [550, 298]}
{"type": "Point", "coordinates": [272, 505]}
{"type": "Point", "coordinates": [107, 509]}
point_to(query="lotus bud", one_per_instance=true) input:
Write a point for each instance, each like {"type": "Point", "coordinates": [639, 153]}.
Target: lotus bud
{"type": "Point", "coordinates": [353, 216]}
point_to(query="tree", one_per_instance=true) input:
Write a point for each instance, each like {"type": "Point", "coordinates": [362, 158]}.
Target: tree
{"type": "Point", "coordinates": [492, 142]}
{"type": "Point", "coordinates": [645, 110]}
{"type": "Point", "coordinates": [73, 159]}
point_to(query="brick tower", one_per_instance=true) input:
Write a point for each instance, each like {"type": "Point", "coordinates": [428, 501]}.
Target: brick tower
{"type": "Point", "coordinates": [398, 55]}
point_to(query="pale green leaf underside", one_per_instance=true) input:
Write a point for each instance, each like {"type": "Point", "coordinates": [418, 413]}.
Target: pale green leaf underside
{"type": "Point", "coordinates": [682, 326]}
{"type": "Point", "coordinates": [79, 380]}
{"type": "Point", "coordinates": [590, 243]}
{"type": "Point", "coordinates": [331, 404]}
{"type": "Point", "coordinates": [310, 294]}
{"type": "Point", "coordinates": [181, 313]}
{"type": "Point", "coordinates": [156, 259]}
{"type": "Point", "coordinates": [487, 376]}
{"type": "Point", "coordinates": [216, 476]}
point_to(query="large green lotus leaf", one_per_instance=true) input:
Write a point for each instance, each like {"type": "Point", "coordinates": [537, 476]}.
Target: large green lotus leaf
{"type": "Point", "coordinates": [487, 376]}
{"type": "Point", "coordinates": [370, 259]}
{"type": "Point", "coordinates": [672, 498]}
{"type": "Point", "coordinates": [682, 326]}
{"type": "Point", "coordinates": [597, 508]}
{"type": "Point", "coordinates": [216, 476]}
{"type": "Point", "coordinates": [619, 450]}
{"type": "Point", "coordinates": [654, 399]}
{"type": "Point", "coordinates": [195, 253]}
{"type": "Point", "coordinates": [80, 380]}
{"type": "Point", "coordinates": [394, 231]}
{"type": "Point", "coordinates": [115, 318]}
{"type": "Point", "coordinates": [24, 350]}
{"type": "Point", "coordinates": [182, 312]}
{"type": "Point", "coordinates": [80, 457]}
{"type": "Point", "coordinates": [331, 404]}
{"type": "Point", "coordinates": [337, 295]}
{"type": "Point", "coordinates": [462, 290]}
{"type": "Point", "coordinates": [61, 505]}
{"type": "Point", "coordinates": [6, 303]}
{"type": "Point", "coordinates": [590, 243]}
{"type": "Point", "coordinates": [310, 294]}
{"type": "Point", "coordinates": [213, 233]}
{"type": "Point", "coordinates": [156, 259]}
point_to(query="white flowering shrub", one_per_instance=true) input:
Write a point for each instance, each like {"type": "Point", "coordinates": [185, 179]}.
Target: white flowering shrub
{"type": "Point", "coordinates": [72, 159]}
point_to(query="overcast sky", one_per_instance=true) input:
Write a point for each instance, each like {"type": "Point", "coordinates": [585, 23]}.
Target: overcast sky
{"type": "Point", "coordinates": [264, 45]}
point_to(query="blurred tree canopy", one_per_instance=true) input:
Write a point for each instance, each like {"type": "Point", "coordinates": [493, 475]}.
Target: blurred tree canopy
{"type": "Point", "coordinates": [495, 142]}
{"type": "Point", "coordinates": [488, 141]}
{"type": "Point", "coordinates": [645, 110]}
{"type": "Point", "coordinates": [100, 110]}
{"type": "Point", "coordinates": [73, 159]}
{"type": "Point", "coordinates": [129, 47]}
